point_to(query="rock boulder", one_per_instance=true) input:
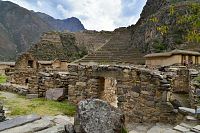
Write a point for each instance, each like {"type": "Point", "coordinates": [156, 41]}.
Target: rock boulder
{"type": "Point", "coordinates": [97, 116]}
{"type": "Point", "coordinates": [57, 94]}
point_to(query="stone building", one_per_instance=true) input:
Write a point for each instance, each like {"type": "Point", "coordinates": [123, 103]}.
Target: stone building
{"type": "Point", "coordinates": [5, 65]}
{"type": "Point", "coordinates": [182, 57]}
{"type": "Point", "coordinates": [27, 69]}
{"type": "Point", "coordinates": [55, 64]}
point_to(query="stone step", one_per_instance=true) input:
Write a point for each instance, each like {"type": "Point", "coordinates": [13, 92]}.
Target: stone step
{"type": "Point", "coordinates": [18, 121]}
{"type": "Point", "coordinates": [31, 127]}
{"type": "Point", "coordinates": [196, 129]}
{"type": "Point", "coordinates": [54, 129]}
{"type": "Point", "coordinates": [181, 128]}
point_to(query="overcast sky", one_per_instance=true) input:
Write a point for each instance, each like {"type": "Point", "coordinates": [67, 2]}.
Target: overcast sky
{"type": "Point", "coordinates": [94, 14]}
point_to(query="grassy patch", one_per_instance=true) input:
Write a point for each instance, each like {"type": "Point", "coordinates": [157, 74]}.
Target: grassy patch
{"type": "Point", "coordinates": [3, 79]}
{"type": "Point", "coordinates": [40, 106]}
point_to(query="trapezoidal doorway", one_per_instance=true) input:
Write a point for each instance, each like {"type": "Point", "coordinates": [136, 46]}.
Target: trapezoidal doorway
{"type": "Point", "coordinates": [108, 90]}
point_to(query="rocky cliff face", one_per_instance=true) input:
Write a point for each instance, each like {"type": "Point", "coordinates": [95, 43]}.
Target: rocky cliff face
{"type": "Point", "coordinates": [20, 28]}
{"type": "Point", "coordinates": [175, 25]}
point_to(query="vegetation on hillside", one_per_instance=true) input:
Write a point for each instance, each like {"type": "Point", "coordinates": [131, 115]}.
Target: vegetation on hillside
{"type": "Point", "coordinates": [175, 25]}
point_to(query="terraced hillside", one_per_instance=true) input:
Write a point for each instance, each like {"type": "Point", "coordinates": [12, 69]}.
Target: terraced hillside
{"type": "Point", "coordinates": [117, 50]}
{"type": "Point", "coordinates": [67, 45]}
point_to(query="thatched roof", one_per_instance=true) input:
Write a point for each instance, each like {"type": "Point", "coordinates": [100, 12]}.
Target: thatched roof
{"type": "Point", "coordinates": [174, 52]}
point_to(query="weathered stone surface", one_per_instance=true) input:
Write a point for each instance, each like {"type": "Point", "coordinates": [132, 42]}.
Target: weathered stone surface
{"type": "Point", "coordinates": [196, 129]}
{"type": "Point", "coordinates": [60, 119]}
{"type": "Point", "coordinates": [187, 110]}
{"type": "Point", "coordinates": [158, 129]}
{"type": "Point", "coordinates": [55, 129]}
{"type": "Point", "coordinates": [56, 94]}
{"type": "Point", "coordinates": [31, 127]}
{"type": "Point", "coordinates": [18, 121]}
{"type": "Point", "coordinates": [97, 116]}
{"type": "Point", "coordinates": [181, 128]}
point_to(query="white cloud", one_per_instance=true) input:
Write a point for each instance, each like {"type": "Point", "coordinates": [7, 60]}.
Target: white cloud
{"type": "Point", "coordinates": [100, 14]}
{"type": "Point", "coordinates": [94, 14]}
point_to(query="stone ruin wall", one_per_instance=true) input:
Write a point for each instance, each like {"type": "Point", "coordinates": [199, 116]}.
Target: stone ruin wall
{"type": "Point", "coordinates": [181, 82]}
{"type": "Point", "coordinates": [143, 95]}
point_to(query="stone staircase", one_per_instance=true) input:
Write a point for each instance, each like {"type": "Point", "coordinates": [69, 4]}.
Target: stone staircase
{"type": "Point", "coordinates": [117, 50]}
{"type": "Point", "coordinates": [190, 124]}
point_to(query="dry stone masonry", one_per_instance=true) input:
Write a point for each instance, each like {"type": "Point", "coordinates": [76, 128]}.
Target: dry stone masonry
{"type": "Point", "coordinates": [143, 95]}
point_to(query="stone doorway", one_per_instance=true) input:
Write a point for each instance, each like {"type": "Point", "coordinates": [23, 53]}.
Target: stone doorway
{"type": "Point", "coordinates": [108, 88]}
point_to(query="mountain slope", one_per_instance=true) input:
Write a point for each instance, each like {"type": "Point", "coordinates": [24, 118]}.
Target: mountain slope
{"type": "Point", "coordinates": [174, 26]}
{"type": "Point", "coordinates": [20, 28]}
{"type": "Point", "coordinates": [72, 24]}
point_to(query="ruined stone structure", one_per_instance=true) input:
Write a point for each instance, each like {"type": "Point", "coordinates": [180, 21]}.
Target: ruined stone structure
{"type": "Point", "coordinates": [27, 68]}
{"type": "Point", "coordinates": [4, 66]}
{"type": "Point", "coordinates": [142, 94]}
{"type": "Point", "coordinates": [181, 82]}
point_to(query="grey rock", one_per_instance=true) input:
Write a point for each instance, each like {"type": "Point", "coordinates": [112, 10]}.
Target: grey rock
{"type": "Point", "coordinates": [187, 110]}
{"type": "Point", "coordinates": [164, 81]}
{"type": "Point", "coordinates": [196, 129]}
{"type": "Point", "coordinates": [158, 129]}
{"type": "Point", "coordinates": [31, 127]}
{"type": "Point", "coordinates": [69, 128]}
{"type": "Point", "coordinates": [198, 92]}
{"type": "Point", "coordinates": [60, 119]}
{"type": "Point", "coordinates": [181, 128]}
{"type": "Point", "coordinates": [56, 94]}
{"type": "Point", "coordinates": [97, 116]}
{"type": "Point", "coordinates": [82, 84]}
{"type": "Point", "coordinates": [54, 129]}
{"type": "Point", "coordinates": [18, 121]}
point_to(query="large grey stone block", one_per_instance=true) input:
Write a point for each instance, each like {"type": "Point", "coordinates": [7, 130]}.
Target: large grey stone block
{"type": "Point", "coordinates": [97, 116]}
{"type": "Point", "coordinates": [18, 121]}
{"type": "Point", "coordinates": [56, 94]}
{"type": "Point", "coordinates": [31, 127]}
